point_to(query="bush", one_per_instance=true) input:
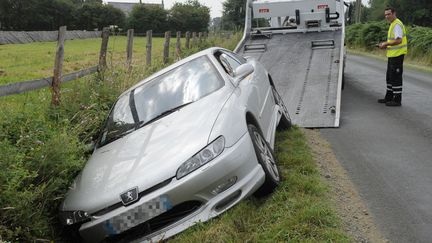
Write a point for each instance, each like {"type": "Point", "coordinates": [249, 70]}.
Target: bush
{"type": "Point", "coordinates": [365, 36]}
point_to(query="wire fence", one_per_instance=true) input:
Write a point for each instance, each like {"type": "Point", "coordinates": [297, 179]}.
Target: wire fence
{"type": "Point", "coordinates": [192, 39]}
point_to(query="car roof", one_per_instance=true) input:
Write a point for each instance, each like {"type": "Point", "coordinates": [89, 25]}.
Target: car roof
{"type": "Point", "coordinates": [206, 52]}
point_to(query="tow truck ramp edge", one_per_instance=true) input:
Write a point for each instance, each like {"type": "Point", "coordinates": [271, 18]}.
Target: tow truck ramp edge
{"type": "Point", "coordinates": [302, 45]}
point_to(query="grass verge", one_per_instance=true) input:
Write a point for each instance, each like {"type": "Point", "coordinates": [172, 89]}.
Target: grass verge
{"type": "Point", "coordinates": [413, 63]}
{"type": "Point", "coordinates": [298, 211]}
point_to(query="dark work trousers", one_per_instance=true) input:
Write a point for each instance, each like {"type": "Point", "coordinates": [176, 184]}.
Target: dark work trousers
{"type": "Point", "coordinates": [394, 78]}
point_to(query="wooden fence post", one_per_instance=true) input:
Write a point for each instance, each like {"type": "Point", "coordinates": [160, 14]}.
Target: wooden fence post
{"type": "Point", "coordinates": [103, 50]}
{"type": "Point", "coordinates": [178, 44]}
{"type": "Point", "coordinates": [129, 49]}
{"type": "Point", "coordinates": [188, 35]}
{"type": "Point", "coordinates": [58, 64]}
{"type": "Point", "coordinates": [166, 47]}
{"type": "Point", "coordinates": [149, 47]}
{"type": "Point", "coordinates": [200, 37]}
{"type": "Point", "coordinates": [194, 39]}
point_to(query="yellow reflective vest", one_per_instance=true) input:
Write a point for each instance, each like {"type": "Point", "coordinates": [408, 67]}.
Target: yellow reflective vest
{"type": "Point", "coordinates": [402, 48]}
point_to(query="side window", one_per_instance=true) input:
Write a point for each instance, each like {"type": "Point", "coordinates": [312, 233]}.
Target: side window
{"type": "Point", "coordinates": [239, 58]}
{"type": "Point", "coordinates": [228, 63]}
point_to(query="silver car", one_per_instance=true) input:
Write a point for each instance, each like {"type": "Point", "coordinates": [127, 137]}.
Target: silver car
{"type": "Point", "coordinates": [181, 146]}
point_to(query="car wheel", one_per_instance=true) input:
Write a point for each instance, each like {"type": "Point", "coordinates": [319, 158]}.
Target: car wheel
{"type": "Point", "coordinates": [267, 160]}
{"type": "Point", "coordinates": [285, 121]}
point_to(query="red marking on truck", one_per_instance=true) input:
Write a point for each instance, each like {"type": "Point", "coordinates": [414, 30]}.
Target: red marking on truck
{"type": "Point", "coordinates": [264, 10]}
{"type": "Point", "coordinates": [322, 6]}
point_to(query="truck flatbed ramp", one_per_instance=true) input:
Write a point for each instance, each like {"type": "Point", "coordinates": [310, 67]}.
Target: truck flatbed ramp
{"type": "Point", "coordinates": [306, 76]}
{"type": "Point", "coordinates": [302, 47]}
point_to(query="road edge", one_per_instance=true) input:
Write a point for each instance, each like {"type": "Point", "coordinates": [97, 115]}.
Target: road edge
{"type": "Point", "coordinates": [356, 218]}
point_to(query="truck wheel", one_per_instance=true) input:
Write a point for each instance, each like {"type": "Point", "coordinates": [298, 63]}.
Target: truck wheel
{"type": "Point", "coordinates": [267, 160]}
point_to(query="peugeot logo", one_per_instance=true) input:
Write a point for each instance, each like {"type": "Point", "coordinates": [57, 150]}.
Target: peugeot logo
{"type": "Point", "coordinates": [130, 196]}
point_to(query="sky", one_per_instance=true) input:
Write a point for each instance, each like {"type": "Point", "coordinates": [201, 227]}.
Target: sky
{"type": "Point", "coordinates": [214, 5]}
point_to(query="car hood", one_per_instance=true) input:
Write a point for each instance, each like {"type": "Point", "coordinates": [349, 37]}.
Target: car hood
{"type": "Point", "coordinates": [145, 157]}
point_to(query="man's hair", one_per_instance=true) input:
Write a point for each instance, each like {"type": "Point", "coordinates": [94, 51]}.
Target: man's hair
{"type": "Point", "coordinates": [391, 9]}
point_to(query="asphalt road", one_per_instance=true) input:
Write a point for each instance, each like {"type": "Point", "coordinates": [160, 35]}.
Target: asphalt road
{"type": "Point", "coordinates": [387, 151]}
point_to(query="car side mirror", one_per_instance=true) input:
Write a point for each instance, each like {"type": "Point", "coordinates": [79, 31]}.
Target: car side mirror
{"type": "Point", "coordinates": [243, 71]}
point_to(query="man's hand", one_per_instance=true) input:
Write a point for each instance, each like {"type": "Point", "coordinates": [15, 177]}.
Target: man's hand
{"type": "Point", "coordinates": [383, 45]}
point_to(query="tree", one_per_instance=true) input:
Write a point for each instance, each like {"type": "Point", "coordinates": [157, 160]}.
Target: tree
{"type": "Point", "coordinates": [35, 14]}
{"type": "Point", "coordinates": [190, 16]}
{"type": "Point", "coordinates": [111, 16]}
{"type": "Point", "coordinates": [418, 12]}
{"type": "Point", "coordinates": [92, 16]}
{"type": "Point", "coordinates": [51, 14]}
{"type": "Point", "coordinates": [234, 12]}
{"type": "Point", "coordinates": [147, 17]}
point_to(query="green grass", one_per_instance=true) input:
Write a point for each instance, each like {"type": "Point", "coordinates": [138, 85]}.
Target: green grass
{"type": "Point", "coordinates": [21, 62]}
{"type": "Point", "coordinates": [298, 211]}
{"type": "Point", "coordinates": [43, 148]}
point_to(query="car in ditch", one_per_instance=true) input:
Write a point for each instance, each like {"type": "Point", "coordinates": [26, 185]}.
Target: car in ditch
{"type": "Point", "coordinates": [180, 147]}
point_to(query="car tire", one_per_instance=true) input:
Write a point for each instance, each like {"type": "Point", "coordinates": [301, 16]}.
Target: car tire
{"type": "Point", "coordinates": [267, 160]}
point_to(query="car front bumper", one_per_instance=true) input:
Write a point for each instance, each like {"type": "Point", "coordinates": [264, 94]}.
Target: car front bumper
{"type": "Point", "coordinates": [236, 163]}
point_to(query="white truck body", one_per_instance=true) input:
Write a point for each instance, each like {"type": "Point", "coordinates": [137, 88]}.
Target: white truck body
{"type": "Point", "coordinates": [302, 46]}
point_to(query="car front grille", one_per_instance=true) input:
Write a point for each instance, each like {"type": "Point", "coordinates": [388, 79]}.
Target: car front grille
{"type": "Point", "coordinates": [141, 194]}
{"type": "Point", "coordinates": [171, 216]}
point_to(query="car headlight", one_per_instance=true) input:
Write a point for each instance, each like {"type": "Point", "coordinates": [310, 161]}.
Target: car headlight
{"type": "Point", "coordinates": [204, 156]}
{"type": "Point", "coordinates": [74, 217]}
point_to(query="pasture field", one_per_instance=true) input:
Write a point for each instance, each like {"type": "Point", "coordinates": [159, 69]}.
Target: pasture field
{"type": "Point", "coordinates": [20, 62]}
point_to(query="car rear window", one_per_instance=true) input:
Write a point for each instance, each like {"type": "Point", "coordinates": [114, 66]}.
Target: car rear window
{"type": "Point", "coordinates": [180, 86]}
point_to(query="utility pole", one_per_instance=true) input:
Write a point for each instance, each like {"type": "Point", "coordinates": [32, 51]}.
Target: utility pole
{"type": "Point", "coordinates": [358, 7]}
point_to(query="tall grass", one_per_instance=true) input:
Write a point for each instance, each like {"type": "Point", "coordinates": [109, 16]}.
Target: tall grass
{"type": "Point", "coordinates": [365, 36]}
{"type": "Point", "coordinates": [43, 148]}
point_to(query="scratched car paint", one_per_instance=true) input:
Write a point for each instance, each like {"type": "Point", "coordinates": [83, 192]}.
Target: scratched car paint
{"type": "Point", "coordinates": [181, 146]}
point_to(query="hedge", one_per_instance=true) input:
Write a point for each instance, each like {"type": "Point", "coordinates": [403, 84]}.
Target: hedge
{"type": "Point", "coordinates": [367, 36]}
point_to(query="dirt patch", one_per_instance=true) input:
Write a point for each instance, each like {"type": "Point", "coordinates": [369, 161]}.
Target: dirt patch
{"type": "Point", "coordinates": [356, 218]}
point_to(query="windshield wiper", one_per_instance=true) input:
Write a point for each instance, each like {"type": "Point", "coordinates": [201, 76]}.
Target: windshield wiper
{"type": "Point", "coordinates": [163, 114]}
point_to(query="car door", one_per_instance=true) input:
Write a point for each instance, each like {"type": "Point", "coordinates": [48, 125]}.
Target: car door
{"type": "Point", "coordinates": [260, 89]}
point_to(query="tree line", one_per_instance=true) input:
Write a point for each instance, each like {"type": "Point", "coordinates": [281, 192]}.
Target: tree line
{"type": "Point", "coordinates": [411, 12]}
{"type": "Point", "coordinates": [38, 15]}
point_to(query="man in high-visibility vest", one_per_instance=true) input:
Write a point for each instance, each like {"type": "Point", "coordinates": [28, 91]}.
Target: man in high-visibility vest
{"type": "Point", "coordinates": [397, 47]}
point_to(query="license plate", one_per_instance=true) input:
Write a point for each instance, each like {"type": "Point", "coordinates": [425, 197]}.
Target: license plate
{"type": "Point", "coordinates": [138, 215]}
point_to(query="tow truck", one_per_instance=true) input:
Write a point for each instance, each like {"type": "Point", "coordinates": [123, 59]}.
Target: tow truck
{"type": "Point", "coordinates": [301, 43]}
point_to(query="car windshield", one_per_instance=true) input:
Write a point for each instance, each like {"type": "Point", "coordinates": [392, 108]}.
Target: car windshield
{"type": "Point", "coordinates": [161, 96]}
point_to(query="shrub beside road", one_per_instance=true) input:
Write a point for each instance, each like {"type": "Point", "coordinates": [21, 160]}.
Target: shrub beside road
{"type": "Point", "coordinates": [364, 37]}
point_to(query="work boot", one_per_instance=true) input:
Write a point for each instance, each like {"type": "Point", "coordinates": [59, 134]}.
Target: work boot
{"type": "Point", "coordinates": [388, 97]}
{"type": "Point", "coordinates": [396, 101]}
{"type": "Point", "coordinates": [393, 103]}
